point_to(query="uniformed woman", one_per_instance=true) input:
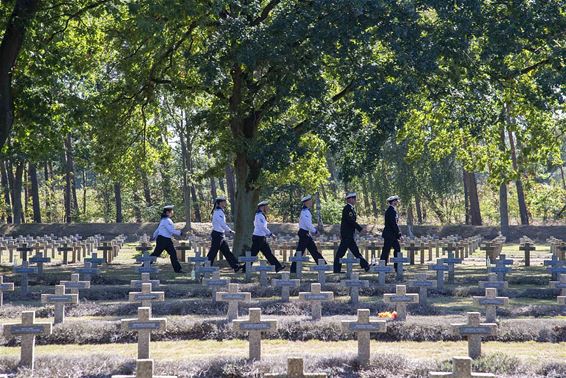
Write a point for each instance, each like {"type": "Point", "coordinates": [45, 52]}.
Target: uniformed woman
{"type": "Point", "coordinates": [306, 229]}
{"type": "Point", "coordinates": [163, 235]}
{"type": "Point", "coordinates": [260, 235]}
{"type": "Point", "coordinates": [219, 243]}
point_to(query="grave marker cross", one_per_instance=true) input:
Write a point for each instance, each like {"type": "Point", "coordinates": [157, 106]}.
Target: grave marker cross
{"type": "Point", "coordinates": [254, 326]}
{"type": "Point", "coordinates": [473, 330]}
{"type": "Point", "coordinates": [363, 327]}
{"type": "Point", "coordinates": [401, 299]}
{"type": "Point", "coordinates": [144, 325]}
{"type": "Point", "coordinates": [285, 283]}
{"type": "Point", "coordinates": [28, 330]}
{"type": "Point", "coordinates": [316, 297]}
{"type": "Point", "coordinates": [59, 299]}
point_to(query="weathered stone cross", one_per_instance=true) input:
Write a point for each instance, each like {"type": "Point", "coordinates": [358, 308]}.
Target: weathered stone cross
{"type": "Point", "coordinates": [473, 330]}
{"type": "Point", "coordinates": [145, 278]}
{"type": "Point", "coordinates": [321, 268]}
{"type": "Point", "coordinates": [255, 326]}
{"type": "Point", "coordinates": [491, 301]}
{"type": "Point", "coordinates": [146, 296]}
{"type": "Point", "coordinates": [316, 297]}
{"type": "Point", "coordinates": [215, 283]}
{"type": "Point", "coordinates": [439, 268]}
{"type": "Point", "coordinates": [248, 260]}
{"type": "Point", "coordinates": [263, 269]}
{"type": "Point", "coordinates": [461, 368]}
{"type": "Point", "coordinates": [146, 259]}
{"type": "Point", "coordinates": [554, 284]}
{"type": "Point", "coordinates": [144, 325]}
{"type": "Point", "coordinates": [399, 260]}
{"type": "Point", "coordinates": [24, 270]}
{"type": "Point", "coordinates": [295, 369]}
{"type": "Point", "coordinates": [381, 271]}
{"type": "Point", "coordinates": [401, 299]}
{"type": "Point", "coordinates": [87, 271]}
{"type": "Point", "coordinates": [144, 369]}
{"type": "Point", "coordinates": [493, 282]}
{"type": "Point", "coordinates": [363, 327]}
{"type": "Point", "coordinates": [299, 260]}
{"type": "Point", "coordinates": [60, 299]}
{"type": "Point", "coordinates": [285, 283]}
{"type": "Point", "coordinates": [424, 284]}
{"type": "Point", "coordinates": [28, 329]}
{"type": "Point", "coordinates": [39, 259]}
{"type": "Point", "coordinates": [4, 286]}
{"type": "Point", "coordinates": [350, 260]}
{"type": "Point", "coordinates": [354, 284]}
{"type": "Point", "coordinates": [233, 297]}
{"type": "Point", "coordinates": [75, 284]}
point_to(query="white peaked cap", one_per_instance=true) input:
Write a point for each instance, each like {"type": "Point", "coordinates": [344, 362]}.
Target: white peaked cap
{"type": "Point", "coordinates": [168, 207]}
{"type": "Point", "coordinates": [262, 203]}
{"type": "Point", "coordinates": [351, 195]}
{"type": "Point", "coordinates": [220, 198]}
{"type": "Point", "coordinates": [306, 198]}
{"type": "Point", "coordinates": [393, 198]}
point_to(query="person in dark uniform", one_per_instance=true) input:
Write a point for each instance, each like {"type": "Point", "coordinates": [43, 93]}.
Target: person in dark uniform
{"type": "Point", "coordinates": [306, 230]}
{"type": "Point", "coordinates": [260, 235]}
{"type": "Point", "coordinates": [348, 227]}
{"type": "Point", "coordinates": [163, 236]}
{"type": "Point", "coordinates": [219, 243]}
{"type": "Point", "coordinates": [391, 232]}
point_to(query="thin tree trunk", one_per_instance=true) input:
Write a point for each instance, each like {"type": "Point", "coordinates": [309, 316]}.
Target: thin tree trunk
{"type": "Point", "coordinates": [146, 189]}
{"type": "Point", "coordinates": [231, 186]}
{"type": "Point", "coordinates": [471, 184]}
{"type": "Point", "coordinates": [410, 220]}
{"type": "Point", "coordinates": [25, 185]}
{"type": "Point", "coordinates": [118, 202]}
{"type": "Point", "coordinates": [6, 190]}
{"type": "Point", "coordinates": [365, 193]}
{"type": "Point", "coordinates": [137, 210]}
{"type": "Point", "coordinates": [196, 205]}
{"type": "Point", "coordinates": [186, 164]}
{"type": "Point", "coordinates": [418, 208]}
{"type": "Point", "coordinates": [35, 193]}
{"type": "Point", "coordinates": [16, 184]}
{"type": "Point", "coordinates": [523, 212]}
{"type": "Point", "coordinates": [70, 166]}
{"type": "Point", "coordinates": [12, 41]}
{"type": "Point", "coordinates": [84, 192]}
{"type": "Point", "coordinates": [467, 215]}
{"type": "Point", "coordinates": [221, 184]}
{"type": "Point", "coordinates": [213, 191]}
{"type": "Point", "coordinates": [332, 169]}
{"type": "Point", "coordinates": [374, 206]}
{"type": "Point", "coordinates": [503, 204]}
{"type": "Point", "coordinates": [166, 173]}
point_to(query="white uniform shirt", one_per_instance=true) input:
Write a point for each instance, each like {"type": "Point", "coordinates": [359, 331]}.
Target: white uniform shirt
{"type": "Point", "coordinates": [305, 221]}
{"type": "Point", "coordinates": [166, 229]}
{"type": "Point", "coordinates": [219, 221]}
{"type": "Point", "coordinates": [260, 225]}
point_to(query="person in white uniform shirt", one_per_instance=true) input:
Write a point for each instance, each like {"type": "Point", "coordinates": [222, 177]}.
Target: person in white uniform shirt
{"type": "Point", "coordinates": [219, 228]}
{"type": "Point", "coordinates": [163, 236]}
{"type": "Point", "coordinates": [260, 235]}
{"type": "Point", "coordinates": [306, 229]}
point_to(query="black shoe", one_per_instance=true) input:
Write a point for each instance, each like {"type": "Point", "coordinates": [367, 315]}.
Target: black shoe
{"type": "Point", "coordinates": [281, 267]}
{"type": "Point", "coordinates": [240, 267]}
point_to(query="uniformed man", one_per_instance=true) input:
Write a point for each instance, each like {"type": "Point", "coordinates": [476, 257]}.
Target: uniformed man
{"type": "Point", "coordinates": [260, 235]}
{"type": "Point", "coordinates": [306, 230]}
{"type": "Point", "coordinates": [219, 243]}
{"type": "Point", "coordinates": [391, 232]}
{"type": "Point", "coordinates": [163, 236]}
{"type": "Point", "coordinates": [348, 227]}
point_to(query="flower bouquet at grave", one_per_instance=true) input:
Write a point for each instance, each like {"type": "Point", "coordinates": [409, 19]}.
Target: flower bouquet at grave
{"type": "Point", "coordinates": [387, 315]}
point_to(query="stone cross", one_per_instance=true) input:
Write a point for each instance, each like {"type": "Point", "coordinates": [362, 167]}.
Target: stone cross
{"type": "Point", "coordinates": [94, 260]}
{"type": "Point", "coordinates": [215, 283]}
{"type": "Point", "coordinates": [493, 282]}
{"type": "Point", "coordinates": [145, 278]}
{"type": "Point", "coordinates": [248, 260]}
{"type": "Point", "coordinates": [527, 248]}
{"type": "Point", "coordinates": [473, 330]}
{"type": "Point", "coordinates": [144, 325]}
{"type": "Point", "coordinates": [198, 260]}
{"type": "Point", "coordinates": [363, 327]}
{"type": "Point", "coordinates": [87, 271]}
{"type": "Point", "coordinates": [59, 299]}
{"type": "Point", "coordinates": [254, 326]}
{"type": "Point", "coordinates": [24, 249]}
{"type": "Point", "coordinates": [285, 283]}
{"type": "Point", "coordinates": [24, 270]}
{"type": "Point", "coordinates": [146, 296]}
{"type": "Point", "coordinates": [491, 301]}
{"type": "Point", "coordinates": [28, 330]}
{"type": "Point", "coordinates": [295, 369]}
{"type": "Point", "coordinates": [4, 286]}
{"type": "Point", "coordinates": [500, 269]}
{"type": "Point", "coordinates": [381, 271]}
{"type": "Point", "coordinates": [263, 269]}
{"type": "Point", "coordinates": [316, 297]}
{"type": "Point", "coordinates": [39, 260]}
{"type": "Point", "coordinates": [106, 249]}
{"type": "Point", "coordinates": [350, 260]}
{"type": "Point", "coordinates": [146, 259]}
{"type": "Point", "coordinates": [206, 269]}
{"type": "Point", "coordinates": [75, 284]}
{"type": "Point", "coordinates": [424, 284]}
{"type": "Point", "coordinates": [451, 261]}
{"type": "Point", "coordinates": [439, 268]}
{"type": "Point", "coordinates": [182, 249]}
{"type": "Point", "coordinates": [461, 368]}
{"type": "Point", "coordinates": [399, 261]}
{"type": "Point", "coordinates": [354, 284]}
{"type": "Point", "coordinates": [321, 268]}
{"type": "Point", "coordinates": [411, 249]}
{"type": "Point", "coordinates": [401, 299]}
{"type": "Point", "coordinates": [233, 297]}
{"type": "Point", "coordinates": [144, 369]}
{"type": "Point", "coordinates": [554, 284]}
{"type": "Point", "coordinates": [557, 269]}
{"type": "Point", "coordinates": [65, 249]}
{"type": "Point", "coordinates": [299, 260]}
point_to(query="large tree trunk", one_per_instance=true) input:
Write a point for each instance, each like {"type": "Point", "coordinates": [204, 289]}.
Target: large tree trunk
{"type": "Point", "coordinates": [473, 199]}
{"type": "Point", "coordinates": [6, 191]}
{"type": "Point", "coordinates": [418, 208]}
{"type": "Point", "coordinates": [22, 14]}
{"type": "Point", "coordinates": [186, 190]}
{"type": "Point", "coordinates": [231, 186]}
{"type": "Point", "coordinates": [166, 173]}
{"type": "Point", "coordinates": [366, 195]}
{"type": "Point", "coordinates": [34, 193]}
{"type": "Point", "coordinates": [196, 205]}
{"type": "Point", "coordinates": [137, 210]}
{"type": "Point", "coordinates": [118, 202]}
{"type": "Point", "coordinates": [213, 191]}
{"type": "Point", "coordinates": [70, 175]}
{"type": "Point", "coordinates": [467, 215]}
{"type": "Point", "coordinates": [247, 196]}
{"type": "Point", "coordinates": [523, 212]}
{"type": "Point", "coordinates": [16, 185]}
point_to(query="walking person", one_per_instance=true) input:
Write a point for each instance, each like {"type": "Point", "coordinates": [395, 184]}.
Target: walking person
{"type": "Point", "coordinates": [391, 232]}
{"type": "Point", "coordinates": [348, 227]}
{"type": "Point", "coordinates": [260, 235]}
{"type": "Point", "coordinates": [219, 243]}
{"type": "Point", "coordinates": [306, 230]}
{"type": "Point", "coordinates": [163, 236]}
